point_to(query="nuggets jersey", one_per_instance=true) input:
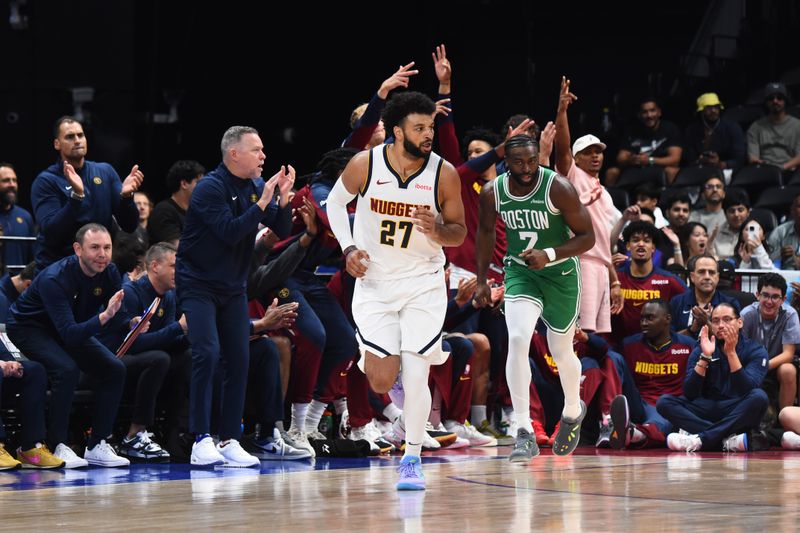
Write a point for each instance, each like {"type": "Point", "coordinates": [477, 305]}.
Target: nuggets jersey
{"type": "Point", "coordinates": [383, 224]}
{"type": "Point", "coordinates": [531, 221]}
{"type": "Point", "coordinates": [637, 292]}
{"type": "Point", "coordinates": [658, 370]}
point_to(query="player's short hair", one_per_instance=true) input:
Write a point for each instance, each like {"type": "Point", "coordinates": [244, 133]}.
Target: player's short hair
{"type": "Point", "coordinates": [401, 105]}
{"type": "Point", "coordinates": [640, 226]}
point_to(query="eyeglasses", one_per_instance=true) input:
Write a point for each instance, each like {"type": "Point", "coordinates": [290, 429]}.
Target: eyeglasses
{"type": "Point", "coordinates": [768, 296]}
{"type": "Point", "coordinates": [712, 186]}
{"type": "Point", "coordinates": [720, 319]}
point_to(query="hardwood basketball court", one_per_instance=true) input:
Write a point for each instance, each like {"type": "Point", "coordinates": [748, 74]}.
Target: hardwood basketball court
{"type": "Point", "coordinates": [478, 490]}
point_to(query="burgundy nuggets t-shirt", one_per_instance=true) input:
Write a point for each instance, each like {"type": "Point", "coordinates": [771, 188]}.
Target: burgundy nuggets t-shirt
{"type": "Point", "coordinates": [658, 370]}
{"type": "Point", "coordinates": [638, 291]}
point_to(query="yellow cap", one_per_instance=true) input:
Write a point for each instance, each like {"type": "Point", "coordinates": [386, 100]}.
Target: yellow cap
{"type": "Point", "coordinates": [707, 99]}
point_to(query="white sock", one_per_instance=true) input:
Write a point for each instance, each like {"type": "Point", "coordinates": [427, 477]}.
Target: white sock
{"type": "Point", "coordinates": [415, 412]}
{"type": "Point", "coordinates": [299, 412]}
{"type": "Point", "coordinates": [637, 436]}
{"type": "Point", "coordinates": [340, 405]}
{"type": "Point", "coordinates": [569, 370]}
{"type": "Point", "coordinates": [392, 412]}
{"type": "Point", "coordinates": [477, 414]}
{"type": "Point", "coordinates": [521, 318]}
{"type": "Point", "coordinates": [435, 416]}
{"type": "Point", "coordinates": [315, 411]}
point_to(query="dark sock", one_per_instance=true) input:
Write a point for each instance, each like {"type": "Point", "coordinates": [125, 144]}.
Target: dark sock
{"type": "Point", "coordinates": [201, 436]}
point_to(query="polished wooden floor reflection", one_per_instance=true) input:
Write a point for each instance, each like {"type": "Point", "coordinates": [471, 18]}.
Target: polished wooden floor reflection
{"type": "Point", "coordinates": [479, 491]}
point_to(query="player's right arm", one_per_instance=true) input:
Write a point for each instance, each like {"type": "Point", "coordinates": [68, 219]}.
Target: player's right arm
{"type": "Point", "coordinates": [352, 180]}
{"type": "Point", "coordinates": [484, 242]}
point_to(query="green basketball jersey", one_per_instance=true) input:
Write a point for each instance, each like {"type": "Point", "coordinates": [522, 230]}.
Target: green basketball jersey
{"type": "Point", "coordinates": [531, 221]}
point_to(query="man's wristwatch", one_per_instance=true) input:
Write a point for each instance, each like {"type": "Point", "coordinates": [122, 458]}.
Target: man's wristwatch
{"type": "Point", "coordinates": [76, 196]}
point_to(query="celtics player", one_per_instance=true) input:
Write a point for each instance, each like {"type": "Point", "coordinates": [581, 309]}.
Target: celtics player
{"type": "Point", "coordinates": [546, 228]}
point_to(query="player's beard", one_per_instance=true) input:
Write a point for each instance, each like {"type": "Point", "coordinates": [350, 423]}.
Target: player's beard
{"type": "Point", "coordinates": [412, 149]}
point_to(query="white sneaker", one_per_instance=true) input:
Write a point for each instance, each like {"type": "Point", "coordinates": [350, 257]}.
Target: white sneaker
{"type": "Point", "coordinates": [429, 443]}
{"type": "Point", "coordinates": [300, 440]}
{"type": "Point", "coordinates": [735, 443]}
{"type": "Point", "coordinates": [204, 453]}
{"type": "Point", "coordinates": [235, 456]}
{"type": "Point", "coordinates": [470, 433]}
{"type": "Point", "coordinates": [371, 433]}
{"type": "Point", "coordinates": [681, 442]}
{"type": "Point", "coordinates": [363, 433]}
{"type": "Point", "coordinates": [276, 449]}
{"type": "Point", "coordinates": [70, 458]}
{"type": "Point", "coordinates": [104, 454]}
{"type": "Point", "coordinates": [790, 440]}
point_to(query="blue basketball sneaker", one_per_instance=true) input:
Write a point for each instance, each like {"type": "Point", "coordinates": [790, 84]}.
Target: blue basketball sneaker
{"type": "Point", "coordinates": [411, 477]}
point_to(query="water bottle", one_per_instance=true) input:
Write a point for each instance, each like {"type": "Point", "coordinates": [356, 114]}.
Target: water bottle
{"type": "Point", "coordinates": [326, 424]}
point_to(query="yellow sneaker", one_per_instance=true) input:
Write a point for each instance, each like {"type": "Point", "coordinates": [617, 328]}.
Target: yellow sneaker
{"type": "Point", "coordinates": [7, 462]}
{"type": "Point", "coordinates": [39, 457]}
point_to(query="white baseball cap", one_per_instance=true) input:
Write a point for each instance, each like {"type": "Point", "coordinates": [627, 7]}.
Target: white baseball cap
{"type": "Point", "coordinates": [585, 142]}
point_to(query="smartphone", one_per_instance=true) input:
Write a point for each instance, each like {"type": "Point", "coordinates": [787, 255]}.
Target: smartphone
{"type": "Point", "coordinates": [751, 231]}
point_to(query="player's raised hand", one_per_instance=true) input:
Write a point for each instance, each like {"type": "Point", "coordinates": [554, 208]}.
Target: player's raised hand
{"type": "Point", "coordinates": [399, 79]}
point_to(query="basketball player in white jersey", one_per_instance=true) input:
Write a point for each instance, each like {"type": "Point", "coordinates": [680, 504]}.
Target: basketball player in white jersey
{"type": "Point", "coordinates": [409, 206]}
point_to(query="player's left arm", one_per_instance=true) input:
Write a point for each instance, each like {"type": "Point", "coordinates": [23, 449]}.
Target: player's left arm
{"type": "Point", "coordinates": [451, 229]}
{"type": "Point", "coordinates": [564, 197]}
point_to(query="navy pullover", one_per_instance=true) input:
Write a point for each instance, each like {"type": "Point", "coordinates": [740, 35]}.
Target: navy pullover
{"type": "Point", "coordinates": [60, 216]}
{"type": "Point", "coordinates": [67, 302]}
{"type": "Point", "coordinates": [221, 226]}
{"type": "Point", "coordinates": [719, 382]}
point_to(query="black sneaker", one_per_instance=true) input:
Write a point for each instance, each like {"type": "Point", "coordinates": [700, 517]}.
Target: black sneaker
{"type": "Point", "coordinates": [569, 433]}
{"type": "Point", "coordinates": [621, 420]}
{"type": "Point", "coordinates": [525, 447]}
{"type": "Point", "coordinates": [143, 448]}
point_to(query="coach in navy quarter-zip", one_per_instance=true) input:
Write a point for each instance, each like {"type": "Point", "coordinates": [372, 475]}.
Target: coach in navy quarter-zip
{"type": "Point", "coordinates": [211, 276]}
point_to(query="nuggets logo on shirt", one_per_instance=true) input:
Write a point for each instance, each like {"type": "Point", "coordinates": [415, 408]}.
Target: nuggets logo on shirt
{"type": "Point", "coordinates": [97, 180]}
{"type": "Point", "coordinates": [283, 293]}
{"type": "Point", "coordinates": [160, 312]}
{"type": "Point", "coordinates": [19, 220]}
{"type": "Point", "coordinates": [656, 369]}
{"type": "Point", "coordinates": [97, 291]}
{"type": "Point", "coordinates": [253, 198]}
